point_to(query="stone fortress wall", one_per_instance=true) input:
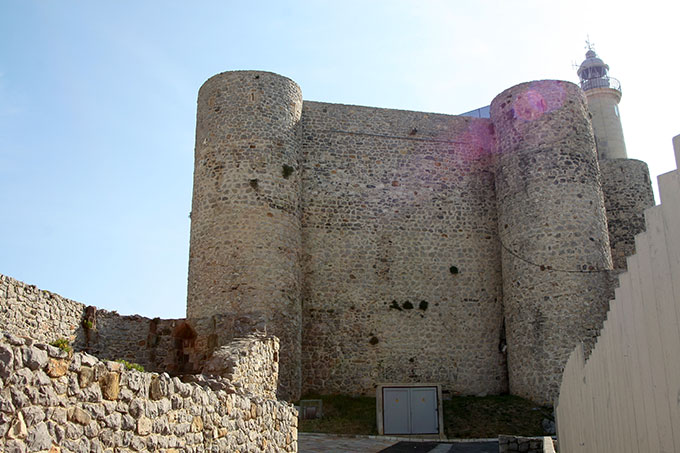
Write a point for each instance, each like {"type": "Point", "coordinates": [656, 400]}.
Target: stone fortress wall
{"type": "Point", "coordinates": [392, 200]}
{"type": "Point", "coordinates": [387, 245]}
{"type": "Point", "coordinates": [49, 398]}
{"type": "Point", "coordinates": [383, 245]}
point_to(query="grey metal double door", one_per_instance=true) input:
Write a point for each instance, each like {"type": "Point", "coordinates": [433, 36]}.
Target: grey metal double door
{"type": "Point", "coordinates": [410, 410]}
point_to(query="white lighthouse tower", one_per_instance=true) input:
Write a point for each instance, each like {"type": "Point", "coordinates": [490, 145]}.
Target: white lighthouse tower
{"type": "Point", "coordinates": [603, 94]}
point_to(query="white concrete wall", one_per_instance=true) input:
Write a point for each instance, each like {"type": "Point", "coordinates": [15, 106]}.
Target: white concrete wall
{"type": "Point", "coordinates": [626, 396]}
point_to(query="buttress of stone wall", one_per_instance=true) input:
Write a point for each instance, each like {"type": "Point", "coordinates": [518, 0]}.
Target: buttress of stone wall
{"type": "Point", "coordinates": [627, 192]}
{"type": "Point", "coordinates": [250, 364]}
{"type": "Point", "coordinates": [553, 230]}
{"type": "Point", "coordinates": [245, 218]}
{"type": "Point", "coordinates": [50, 400]}
{"type": "Point", "coordinates": [401, 255]}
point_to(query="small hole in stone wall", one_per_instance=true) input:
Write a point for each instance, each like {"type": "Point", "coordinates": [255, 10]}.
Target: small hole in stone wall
{"type": "Point", "coordinates": [423, 305]}
{"type": "Point", "coordinates": [453, 270]}
{"type": "Point", "coordinates": [374, 341]}
{"type": "Point", "coordinates": [394, 305]}
{"type": "Point", "coordinates": [253, 183]}
{"type": "Point", "coordinates": [287, 170]}
{"type": "Point", "coordinates": [414, 131]}
{"type": "Point", "coordinates": [257, 76]}
{"type": "Point", "coordinates": [407, 305]}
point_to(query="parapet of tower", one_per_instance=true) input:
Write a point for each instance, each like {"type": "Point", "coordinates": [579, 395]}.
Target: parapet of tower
{"type": "Point", "coordinates": [396, 246]}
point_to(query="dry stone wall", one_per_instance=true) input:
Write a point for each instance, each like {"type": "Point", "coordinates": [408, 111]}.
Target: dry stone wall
{"type": "Point", "coordinates": [175, 346]}
{"type": "Point", "coordinates": [148, 342]}
{"type": "Point", "coordinates": [79, 403]}
{"type": "Point", "coordinates": [44, 315]}
{"type": "Point", "coordinates": [250, 364]}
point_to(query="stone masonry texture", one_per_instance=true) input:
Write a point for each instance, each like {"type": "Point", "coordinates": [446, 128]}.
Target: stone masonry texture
{"type": "Point", "coordinates": [387, 245]}
{"type": "Point", "coordinates": [245, 228]}
{"type": "Point", "coordinates": [627, 193]}
{"type": "Point", "coordinates": [393, 201]}
{"type": "Point", "coordinates": [52, 400]}
{"type": "Point", "coordinates": [553, 230]}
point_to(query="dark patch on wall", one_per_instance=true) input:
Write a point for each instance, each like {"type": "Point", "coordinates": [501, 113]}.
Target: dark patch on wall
{"type": "Point", "coordinates": [287, 170]}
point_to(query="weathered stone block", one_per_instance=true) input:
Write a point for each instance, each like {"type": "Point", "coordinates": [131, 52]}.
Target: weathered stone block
{"type": "Point", "coordinates": [57, 367]}
{"type": "Point", "coordinates": [144, 426]}
{"type": "Point", "coordinates": [109, 384]}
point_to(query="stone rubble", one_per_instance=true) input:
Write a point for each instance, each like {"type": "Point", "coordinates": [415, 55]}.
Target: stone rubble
{"type": "Point", "coordinates": [58, 402]}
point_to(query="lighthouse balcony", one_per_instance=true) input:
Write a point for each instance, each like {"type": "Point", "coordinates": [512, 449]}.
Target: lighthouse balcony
{"type": "Point", "coordinates": [601, 82]}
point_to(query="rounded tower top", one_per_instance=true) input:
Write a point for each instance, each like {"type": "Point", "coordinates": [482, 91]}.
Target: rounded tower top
{"type": "Point", "coordinates": [594, 73]}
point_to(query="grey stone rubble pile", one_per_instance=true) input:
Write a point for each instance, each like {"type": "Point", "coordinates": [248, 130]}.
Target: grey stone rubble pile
{"type": "Point", "coordinates": [510, 444]}
{"type": "Point", "coordinates": [59, 402]}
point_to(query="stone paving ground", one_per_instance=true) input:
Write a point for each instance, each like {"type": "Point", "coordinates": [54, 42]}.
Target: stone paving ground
{"type": "Point", "coordinates": [328, 443]}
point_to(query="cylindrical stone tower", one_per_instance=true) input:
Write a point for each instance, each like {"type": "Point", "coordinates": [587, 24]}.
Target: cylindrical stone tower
{"type": "Point", "coordinates": [553, 231]}
{"type": "Point", "coordinates": [245, 219]}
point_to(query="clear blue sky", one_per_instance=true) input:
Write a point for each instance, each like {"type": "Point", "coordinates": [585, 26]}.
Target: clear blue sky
{"type": "Point", "coordinates": [97, 106]}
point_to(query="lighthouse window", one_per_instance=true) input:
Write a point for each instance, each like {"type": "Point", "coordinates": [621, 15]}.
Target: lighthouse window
{"type": "Point", "coordinates": [616, 110]}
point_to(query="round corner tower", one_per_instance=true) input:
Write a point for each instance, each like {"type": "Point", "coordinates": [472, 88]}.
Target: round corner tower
{"type": "Point", "coordinates": [553, 231]}
{"type": "Point", "coordinates": [245, 218]}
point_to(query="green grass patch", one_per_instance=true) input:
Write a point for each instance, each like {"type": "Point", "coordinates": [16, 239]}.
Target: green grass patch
{"type": "Point", "coordinates": [489, 416]}
{"type": "Point", "coordinates": [342, 415]}
{"type": "Point", "coordinates": [464, 416]}
{"type": "Point", "coordinates": [131, 365]}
